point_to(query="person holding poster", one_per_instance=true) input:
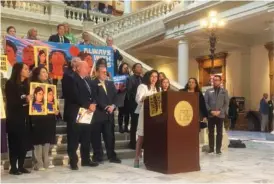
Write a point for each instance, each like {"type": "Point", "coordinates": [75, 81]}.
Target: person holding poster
{"type": "Point", "coordinates": [117, 55]}
{"type": "Point", "coordinates": [43, 126]}
{"type": "Point", "coordinates": [17, 96]}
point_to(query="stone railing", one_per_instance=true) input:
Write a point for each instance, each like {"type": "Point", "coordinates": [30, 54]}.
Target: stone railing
{"type": "Point", "coordinates": [129, 21]}
{"type": "Point", "coordinates": [72, 13]}
{"type": "Point", "coordinates": [40, 7]}
{"type": "Point", "coordinates": [139, 34]}
{"type": "Point", "coordinates": [97, 40]}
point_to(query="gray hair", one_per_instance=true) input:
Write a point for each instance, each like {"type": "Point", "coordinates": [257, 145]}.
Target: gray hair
{"type": "Point", "coordinates": [29, 36]}
{"type": "Point", "coordinates": [74, 61]}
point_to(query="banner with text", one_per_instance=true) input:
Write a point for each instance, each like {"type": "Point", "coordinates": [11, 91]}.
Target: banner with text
{"type": "Point", "coordinates": [55, 56]}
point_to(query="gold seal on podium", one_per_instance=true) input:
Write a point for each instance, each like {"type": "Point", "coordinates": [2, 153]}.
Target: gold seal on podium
{"type": "Point", "coordinates": [183, 113]}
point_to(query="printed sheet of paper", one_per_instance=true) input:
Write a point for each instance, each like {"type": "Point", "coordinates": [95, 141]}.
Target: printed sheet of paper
{"type": "Point", "coordinates": [84, 117]}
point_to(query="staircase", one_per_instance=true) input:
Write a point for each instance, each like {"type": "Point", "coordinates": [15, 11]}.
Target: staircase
{"type": "Point", "coordinates": [135, 28]}
{"type": "Point", "coordinates": [58, 154]}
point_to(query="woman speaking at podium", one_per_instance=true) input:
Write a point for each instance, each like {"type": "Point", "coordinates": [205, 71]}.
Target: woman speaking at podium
{"type": "Point", "coordinates": [149, 87]}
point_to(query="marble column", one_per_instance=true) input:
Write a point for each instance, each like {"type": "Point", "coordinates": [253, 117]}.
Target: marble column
{"type": "Point", "coordinates": [127, 6]}
{"type": "Point", "coordinates": [183, 60]}
{"type": "Point", "coordinates": [245, 62]}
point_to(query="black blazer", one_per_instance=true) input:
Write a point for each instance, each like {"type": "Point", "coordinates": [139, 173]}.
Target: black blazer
{"type": "Point", "coordinates": [103, 99]}
{"type": "Point", "coordinates": [16, 107]}
{"type": "Point", "coordinates": [202, 105]}
{"type": "Point", "coordinates": [56, 38]}
{"type": "Point", "coordinates": [132, 84]}
{"type": "Point", "coordinates": [77, 95]}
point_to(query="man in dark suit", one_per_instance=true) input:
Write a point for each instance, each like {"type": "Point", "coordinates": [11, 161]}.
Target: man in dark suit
{"type": "Point", "coordinates": [132, 84]}
{"type": "Point", "coordinates": [103, 119]}
{"type": "Point", "coordinates": [66, 82]}
{"type": "Point", "coordinates": [216, 99]}
{"type": "Point", "coordinates": [59, 37]}
{"type": "Point", "coordinates": [79, 96]}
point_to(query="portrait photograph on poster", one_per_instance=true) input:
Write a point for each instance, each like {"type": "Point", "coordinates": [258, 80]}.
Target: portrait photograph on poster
{"type": "Point", "coordinates": [4, 63]}
{"type": "Point", "coordinates": [2, 106]}
{"type": "Point", "coordinates": [51, 99]}
{"type": "Point", "coordinates": [41, 56]}
{"type": "Point", "coordinates": [38, 103]}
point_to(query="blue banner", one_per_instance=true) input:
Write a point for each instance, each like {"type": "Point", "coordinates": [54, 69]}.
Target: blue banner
{"type": "Point", "coordinates": [56, 55]}
{"type": "Point", "coordinates": [120, 82]}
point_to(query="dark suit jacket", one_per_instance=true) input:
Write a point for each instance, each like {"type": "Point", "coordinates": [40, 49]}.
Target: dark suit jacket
{"type": "Point", "coordinates": [78, 96]}
{"type": "Point", "coordinates": [103, 100]}
{"type": "Point", "coordinates": [67, 80]}
{"type": "Point", "coordinates": [132, 84]}
{"type": "Point", "coordinates": [56, 38]}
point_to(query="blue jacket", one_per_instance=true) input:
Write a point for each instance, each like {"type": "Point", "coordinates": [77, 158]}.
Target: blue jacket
{"type": "Point", "coordinates": [263, 107]}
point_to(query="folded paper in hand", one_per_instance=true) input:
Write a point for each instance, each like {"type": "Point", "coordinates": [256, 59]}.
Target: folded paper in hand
{"type": "Point", "coordinates": [84, 116]}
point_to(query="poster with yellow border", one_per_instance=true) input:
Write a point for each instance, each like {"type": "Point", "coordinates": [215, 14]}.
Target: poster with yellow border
{"type": "Point", "coordinates": [51, 99]}
{"type": "Point", "coordinates": [2, 105]}
{"type": "Point", "coordinates": [4, 63]}
{"type": "Point", "coordinates": [41, 56]}
{"type": "Point", "coordinates": [38, 102]}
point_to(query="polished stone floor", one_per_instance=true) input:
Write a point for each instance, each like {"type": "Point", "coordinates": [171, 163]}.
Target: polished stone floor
{"type": "Point", "coordinates": [254, 164]}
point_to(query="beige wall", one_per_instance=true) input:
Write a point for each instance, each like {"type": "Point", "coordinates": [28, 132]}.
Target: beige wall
{"type": "Point", "coordinates": [259, 68]}
{"type": "Point", "coordinates": [137, 5]}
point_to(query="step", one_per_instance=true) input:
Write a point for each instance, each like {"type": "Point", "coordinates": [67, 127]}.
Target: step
{"type": "Point", "coordinates": [62, 129]}
{"type": "Point", "coordinates": [62, 138]}
{"type": "Point", "coordinates": [62, 159]}
{"type": "Point", "coordinates": [62, 148]}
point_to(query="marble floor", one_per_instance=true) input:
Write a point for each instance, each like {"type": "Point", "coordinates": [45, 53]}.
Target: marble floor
{"type": "Point", "coordinates": [254, 164]}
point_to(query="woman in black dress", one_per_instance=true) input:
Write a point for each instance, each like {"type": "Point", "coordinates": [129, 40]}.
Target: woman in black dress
{"type": "Point", "coordinates": [17, 98]}
{"type": "Point", "coordinates": [43, 127]}
{"type": "Point", "coordinates": [191, 87]}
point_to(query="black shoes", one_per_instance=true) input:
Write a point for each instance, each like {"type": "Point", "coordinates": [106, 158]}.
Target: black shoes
{"type": "Point", "coordinates": [121, 130]}
{"type": "Point", "coordinates": [210, 151]}
{"type": "Point", "coordinates": [115, 160]}
{"type": "Point", "coordinates": [218, 152]}
{"type": "Point", "coordinates": [90, 164]}
{"type": "Point", "coordinates": [24, 171]}
{"type": "Point", "coordinates": [15, 172]}
{"type": "Point", "coordinates": [126, 130]}
{"type": "Point", "coordinates": [74, 167]}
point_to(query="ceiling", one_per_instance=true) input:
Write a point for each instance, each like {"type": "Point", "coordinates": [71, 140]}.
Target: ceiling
{"type": "Point", "coordinates": [255, 30]}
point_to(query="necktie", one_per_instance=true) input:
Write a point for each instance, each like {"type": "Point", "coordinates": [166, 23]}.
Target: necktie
{"type": "Point", "coordinates": [104, 86]}
{"type": "Point", "coordinates": [62, 39]}
{"type": "Point", "coordinates": [89, 90]}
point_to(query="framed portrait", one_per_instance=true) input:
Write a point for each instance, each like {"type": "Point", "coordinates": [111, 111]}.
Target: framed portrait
{"type": "Point", "coordinates": [41, 56]}
{"type": "Point", "coordinates": [51, 99]}
{"type": "Point", "coordinates": [2, 105]}
{"type": "Point", "coordinates": [4, 63]}
{"type": "Point", "coordinates": [38, 103]}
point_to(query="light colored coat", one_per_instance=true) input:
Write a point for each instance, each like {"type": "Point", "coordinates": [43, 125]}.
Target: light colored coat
{"type": "Point", "coordinates": [217, 102]}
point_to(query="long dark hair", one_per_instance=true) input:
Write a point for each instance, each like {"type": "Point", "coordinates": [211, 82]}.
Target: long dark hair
{"type": "Point", "coordinates": [197, 88]}
{"type": "Point", "coordinates": [37, 90]}
{"type": "Point", "coordinates": [36, 72]}
{"type": "Point", "coordinates": [16, 73]}
{"type": "Point", "coordinates": [146, 79]}
{"type": "Point", "coordinates": [51, 90]}
{"type": "Point", "coordinates": [232, 101]}
{"type": "Point", "coordinates": [39, 54]}
{"type": "Point", "coordinates": [120, 71]}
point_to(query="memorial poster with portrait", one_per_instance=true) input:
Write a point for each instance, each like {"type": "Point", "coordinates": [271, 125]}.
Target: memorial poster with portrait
{"type": "Point", "coordinates": [41, 56]}
{"type": "Point", "coordinates": [4, 63]}
{"type": "Point", "coordinates": [51, 99]}
{"type": "Point", "coordinates": [38, 103]}
{"type": "Point", "coordinates": [2, 106]}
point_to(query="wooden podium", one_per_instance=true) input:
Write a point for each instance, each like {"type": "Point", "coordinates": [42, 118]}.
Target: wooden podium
{"type": "Point", "coordinates": [171, 132]}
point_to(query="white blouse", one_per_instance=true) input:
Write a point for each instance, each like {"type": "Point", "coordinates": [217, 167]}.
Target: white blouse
{"type": "Point", "coordinates": [142, 91]}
